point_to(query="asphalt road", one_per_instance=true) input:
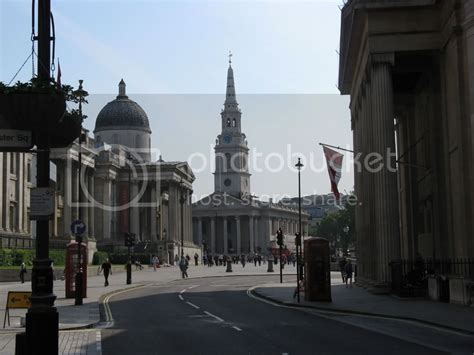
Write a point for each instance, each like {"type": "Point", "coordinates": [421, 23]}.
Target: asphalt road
{"type": "Point", "coordinates": [216, 316]}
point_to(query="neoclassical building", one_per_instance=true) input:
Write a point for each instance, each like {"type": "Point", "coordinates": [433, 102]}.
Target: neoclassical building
{"type": "Point", "coordinates": [117, 164]}
{"type": "Point", "coordinates": [231, 220]}
{"type": "Point", "coordinates": [409, 69]}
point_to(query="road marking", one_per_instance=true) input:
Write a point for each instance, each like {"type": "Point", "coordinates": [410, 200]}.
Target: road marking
{"type": "Point", "coordinates": [181, 297]}
{"type": "Point", "coordinates": [193, 305]}
{"type": "Point", "coordinates": [190, 287]}
{"type": "Point", "coordinates": [109, 319]}
{"type": "Point", "coordinates": [98, 342]}
{"type": "Point", "coordinates": [182, 291]}
{"type": "Point", "coordinates": [214, 316]}
{"type": "Point", "coordinates": [237, 328]}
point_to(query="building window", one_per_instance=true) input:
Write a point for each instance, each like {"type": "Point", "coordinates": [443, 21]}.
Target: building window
{"type": "Point", "coordinates": [28, 171]}
{"type": "Point", "coordinates": [13, 163]}
{"type": "Point", "coordinates": [234, 123]}
{"type": "Point", "coordinates": [12, 217]}
{"type": "Point", "coordinates": [228, 122]}
{"type": "Point", "coordinates": [227, 182]}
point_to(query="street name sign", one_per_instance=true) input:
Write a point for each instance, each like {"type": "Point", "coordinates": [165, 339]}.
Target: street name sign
{"type": "Point", "coordinates": [13, 140]}
{"type": "Point", "coordinates": [41, 203]}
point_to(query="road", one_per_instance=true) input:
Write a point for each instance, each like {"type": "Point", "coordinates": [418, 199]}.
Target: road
{"type": "Point", "coordinates": [217, 316]}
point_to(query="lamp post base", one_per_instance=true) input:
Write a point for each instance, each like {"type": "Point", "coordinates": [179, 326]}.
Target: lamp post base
{"type": "Point", "coordinates": [79, 285]}
{"type": "Point", "coordinates": [129, 273]}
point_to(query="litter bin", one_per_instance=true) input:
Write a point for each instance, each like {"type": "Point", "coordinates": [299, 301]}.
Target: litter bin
{"type": "Point", "coordinates": [317, 263]}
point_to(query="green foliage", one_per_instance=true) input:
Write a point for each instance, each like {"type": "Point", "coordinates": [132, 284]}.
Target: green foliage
{"type": "Point", "coordinates": [99, 257]}
{"type": "Point", "coordinates": [14, 257]}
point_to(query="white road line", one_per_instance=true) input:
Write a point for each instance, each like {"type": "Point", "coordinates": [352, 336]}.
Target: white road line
{"type": "Point", "coordinates": [182, 291]}
{"type": "Point", "coordinates": [193, 305]}
{"type": "Point", "coordinates": [214, 316]}
{"type": "Point", "coordinates": [237, 328]}
{"type": "Point", "coordinates": [181, 297]}
{"type": "Point", "coordinates": [190, 287]}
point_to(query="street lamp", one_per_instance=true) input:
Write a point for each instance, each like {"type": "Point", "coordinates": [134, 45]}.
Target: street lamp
{"type": "Point", "coordinates": [81, 94]}
{"type": "Point", "coordinates": [299, 273]}
{"type": "Point", "coordinates": [129, 238]}
{"type": "Point", "coordinates": [182, 200]}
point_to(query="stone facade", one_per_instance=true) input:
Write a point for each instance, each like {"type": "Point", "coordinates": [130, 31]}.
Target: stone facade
{"type": "Point", "coordinates": [231, 220]}
{"type": "Point", "coordinates": [409, 68]}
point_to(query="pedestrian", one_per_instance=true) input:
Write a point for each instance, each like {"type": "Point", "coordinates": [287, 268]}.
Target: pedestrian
{"type": "Point", "coordinates": [342, 264]}
{"type": "Point", "coordinates": [255, 260]}
{"type": "Point", "coordinates": [196, 258]}
{"type": "Point", "coordinates": [348, 272]}
{"type": "Point", "coordinates": [183, 265]}
{"type": "Point", "coordinates": [107, 269]}
{"type": "Point", "coordinates": [242, 260]}
{"type": "Point", "coordinates": [155, 261]}
{"type": "Point", "coordinates": [23, 271]}
{"type": "Point", "coordinates": [176, 259]}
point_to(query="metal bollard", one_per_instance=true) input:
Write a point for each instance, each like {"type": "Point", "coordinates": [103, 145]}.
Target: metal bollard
{"type": "Point", "coordinates": [229, 266]}
{"type": "Point", "coordinates": [270, 265]}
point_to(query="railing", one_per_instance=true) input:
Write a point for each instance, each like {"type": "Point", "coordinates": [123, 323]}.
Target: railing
{"type": "Point", "coordinates": [410, 277]}
{"type": "Point", "coordinates": [12, 242]}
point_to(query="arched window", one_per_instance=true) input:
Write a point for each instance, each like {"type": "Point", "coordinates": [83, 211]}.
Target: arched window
{"type": "Point", "coordinates": [228, 122]}
{"type": "Point", "coordinates": [233, 123]}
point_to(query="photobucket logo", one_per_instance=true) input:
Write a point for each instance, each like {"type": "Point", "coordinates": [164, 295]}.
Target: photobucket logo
{"type": "Point", "coordinates": [113, 178]}
{"type": "Point", "coordinates": [276, 162]}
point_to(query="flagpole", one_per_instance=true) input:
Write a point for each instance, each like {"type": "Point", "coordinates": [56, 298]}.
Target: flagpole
{"type": "Point", "coordinates": [333, 146]}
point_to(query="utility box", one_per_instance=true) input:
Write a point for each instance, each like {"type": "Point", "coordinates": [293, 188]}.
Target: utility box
{"type": "Point", "coordinates": [72, 268]}
{"type": "Point", "coordinates": [317, 263]}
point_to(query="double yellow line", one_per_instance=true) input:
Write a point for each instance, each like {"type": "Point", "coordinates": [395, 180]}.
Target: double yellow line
{"type": "Point", "coordinates": [109, 319]}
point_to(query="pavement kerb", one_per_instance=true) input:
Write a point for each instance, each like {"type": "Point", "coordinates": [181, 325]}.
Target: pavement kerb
{"type": "Point", "coordinates": [255, 293]}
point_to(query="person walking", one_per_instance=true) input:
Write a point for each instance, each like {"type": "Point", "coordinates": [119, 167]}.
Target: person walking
{"type": "Point", "coordinates": [155, 261]}
{"type": "Point", "coordinates": [183, 265]}
{"type": "Point", "coordinates": [23, 271]}
{"type": "Point", "coordinates": [107, 269]}
{"type": "Point", "coordinates": [348, 272]}
{"type": "Point", "coordinates": [242, 260]}
{"type": "Point", "coordinates": [196, 258]}
{"type": "Point", "coordinates": [342, 264]}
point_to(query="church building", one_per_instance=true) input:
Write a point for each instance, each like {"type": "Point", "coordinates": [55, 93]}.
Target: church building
{"type": "Point", "coordinates": [231, 220]}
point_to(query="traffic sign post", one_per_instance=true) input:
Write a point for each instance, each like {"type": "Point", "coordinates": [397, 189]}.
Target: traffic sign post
{"type": "Point", "coordinates": [16, 300]}
{"type": "Point", "coordinates": [78, 228]}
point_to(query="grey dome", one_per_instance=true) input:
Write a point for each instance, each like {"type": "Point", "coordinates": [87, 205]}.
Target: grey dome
{"type": "Point", "coordinates": [122, 113]}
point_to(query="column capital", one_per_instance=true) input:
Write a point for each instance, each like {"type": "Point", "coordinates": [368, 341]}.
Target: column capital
{"type": "Point", "coordinates": [383, 58]}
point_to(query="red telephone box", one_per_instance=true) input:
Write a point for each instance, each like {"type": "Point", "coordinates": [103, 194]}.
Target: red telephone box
{"type": "Point", "coordinates": [71, 269]}
{"type": "Point", "coordinates": [317, 269]}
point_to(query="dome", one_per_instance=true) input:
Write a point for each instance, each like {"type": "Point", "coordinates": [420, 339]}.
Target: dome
{"type": "Point", "coordinates": [122, 113]}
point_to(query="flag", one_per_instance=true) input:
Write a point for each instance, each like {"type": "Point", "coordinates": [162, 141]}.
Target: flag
{"type": "Point", "coordinates": [334, 163]}
{"type": "Point", "coordinates": [58, 81]}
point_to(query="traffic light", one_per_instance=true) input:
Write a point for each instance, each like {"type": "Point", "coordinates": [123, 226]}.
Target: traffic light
{"type": "Point", "coordinates": [279, 237]}
{"type": "Point", "coordinates": [129, 239]}
{"type": "Point", "coordinates": [298, 239]}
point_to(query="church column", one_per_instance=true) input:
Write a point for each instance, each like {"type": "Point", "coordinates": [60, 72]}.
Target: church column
{"type": "Point", "coordinates": [386, 180]}
{"type": "Point", "coordinates": [251, 235]}
{"type": "Point", "coordinates": [107, 205]}
{"type": "Point", "coordinates": [269, 231]}
{"type": "Point", "coordinates": [153, 211]}
{"type": "Point", "coordinates": [91, 205]}
{"type": "Point", "coordinates": [239, 240]}
{"type": "Point", "coordinates": [256, 235]}
{"type": "Point", "coordinates": [213, 235]}
{"type": "Point", "coordinates": [226, 242]}
{"type": "Point", "coordinates": [67, 206]}
{"type": "Point", "coordinates": [199, 226]}
{"type": "Point", "coordinates": [84, 209]}
{"type": "Point", "coordinates": [135, 228]}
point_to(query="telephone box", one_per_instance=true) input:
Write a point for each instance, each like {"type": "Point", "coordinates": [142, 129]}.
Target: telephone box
{"type": "Point", "coordinates": [71, 269]}
{"type": "Point", "coordinates": [318, 270]}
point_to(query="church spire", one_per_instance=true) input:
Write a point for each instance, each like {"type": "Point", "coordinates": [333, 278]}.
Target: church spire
{"type": "Point", "coordinates": [122, 90]}
{"type": "Point", "coordinates": [230, 98]}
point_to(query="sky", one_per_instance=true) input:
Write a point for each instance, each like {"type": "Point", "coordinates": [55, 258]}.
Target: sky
{"type": "Point", "coordinates": [173, 55]}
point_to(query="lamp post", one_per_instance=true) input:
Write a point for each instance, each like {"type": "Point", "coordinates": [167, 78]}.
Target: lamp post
{"type": "Point", "coordinates": [345, 229]}
{"type": "Point", "coordinates": [129, 239]}
{"type": "Point", "coordinates": [299, 273]}
{"type": "Point", "coordinates": [81, 94]}
{"type": "Point", "coordinates": [182, 200]}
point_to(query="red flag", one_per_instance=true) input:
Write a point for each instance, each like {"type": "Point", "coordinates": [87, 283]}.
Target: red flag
{"type": "Point", "coordinates": [58, 81]}
{"type": "Point", "coordinates": [334, 163]}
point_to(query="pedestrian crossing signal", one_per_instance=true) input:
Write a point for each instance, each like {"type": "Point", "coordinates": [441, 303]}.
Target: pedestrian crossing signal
{"type": "Point", "coordinates": [129, 239]}
{"type": "Point", "coordinates": [280, 237]}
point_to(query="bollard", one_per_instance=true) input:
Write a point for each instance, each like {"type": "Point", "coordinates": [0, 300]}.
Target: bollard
{"type": "Point", "coordinates": [20, 344]}
{"type": "Point", "coordinates": [270, 265]}
{"type": "Point", "coordinates": [229, 266]}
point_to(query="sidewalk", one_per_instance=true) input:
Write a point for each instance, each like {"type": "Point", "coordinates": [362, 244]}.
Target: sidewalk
{"type": "Point", "coordinates": [357, 300]}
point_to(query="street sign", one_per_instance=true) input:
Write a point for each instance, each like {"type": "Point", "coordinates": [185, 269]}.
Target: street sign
{"type": "Point", "coordinates": [13, 140]}
{"type": "Point", "coordinates": [16, 300]}
{"type": "Point", "coordinates": [41, 203]}
{"type": "Point", "coordinates": [78, 227]}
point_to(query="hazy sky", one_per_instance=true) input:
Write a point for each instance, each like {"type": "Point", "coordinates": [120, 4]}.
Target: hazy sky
{"type": "Point", "coordinates": [173, 57]}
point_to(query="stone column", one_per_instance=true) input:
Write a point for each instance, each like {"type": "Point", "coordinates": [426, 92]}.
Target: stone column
{"type": "Point", "coordinates": [199, 226]}
{"type": "Point", "coordinates": [107, 205]}
{"type": "Point", "coordinates": [154, 198]}
{"type": "Point", "coordinates": [226, 242]}
{"type": "Point", "coordinates": [256, 234]}
{"type": "Point", "coordinates": [251, 235]}
{"type": "Point", "coordinates": [269, 232]}
{"type": "Point", "coordinates": [84, 208]}
{"type": "Point", "coordinates": [67, 207]}
{"type": "Point", "coordinates": [92, 205]}
{"type": "Point", "coordinates": [239, 237]}
{"type": "Point", "coordinates": [213, 235]}
{"type": "Point", "coordinates": [386, 181]}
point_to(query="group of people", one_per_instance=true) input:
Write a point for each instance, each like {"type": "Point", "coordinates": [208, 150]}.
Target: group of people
{"type": "Point", "coordinates": [221, 260]}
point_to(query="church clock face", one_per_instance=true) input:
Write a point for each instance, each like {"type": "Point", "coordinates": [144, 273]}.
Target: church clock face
{"type": "Point", "coordinates": [227, 182]}
{"type": "Point", "coordinates": [227, 138]}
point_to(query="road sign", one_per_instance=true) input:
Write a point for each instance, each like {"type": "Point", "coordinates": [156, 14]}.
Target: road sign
{"type": "Point", "coordinates": [16, 300]}
{"type": "Point", "coordinates": [41, 203]}
{"type": "Point", "coordinates": [13, 140]}
{"type": "Point", "coordinates": [78, 227]}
